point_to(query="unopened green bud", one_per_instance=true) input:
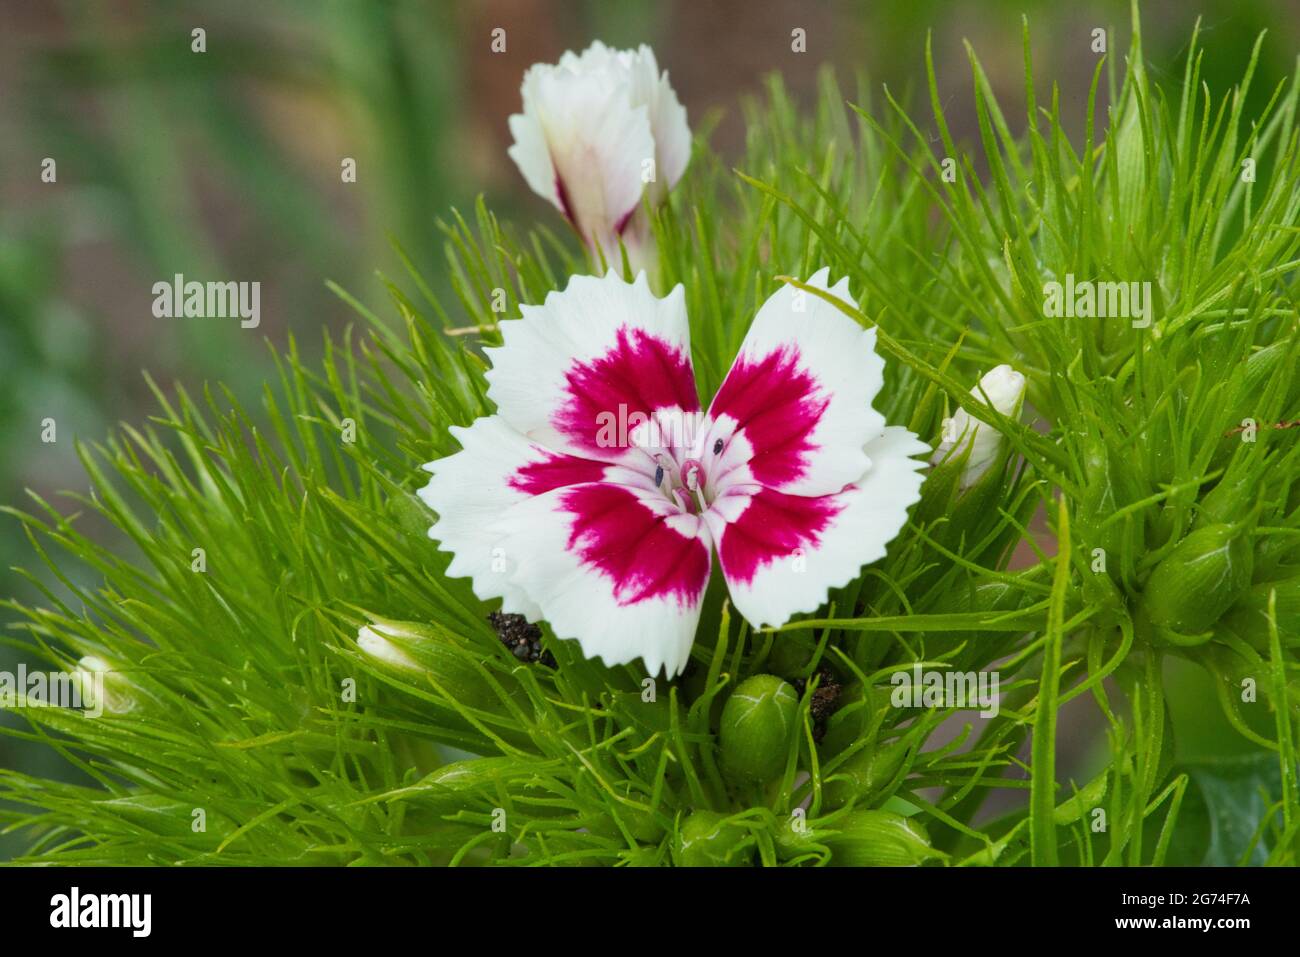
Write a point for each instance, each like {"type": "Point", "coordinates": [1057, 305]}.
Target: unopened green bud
{"type": "Point", "coordinates": [1253, 385]}
{"type": "Point", "coordinates": [169, 817]}
{"type": "Point", "coordinates": [1196, 583]}
{"type": "Point", "coordinates": [1259, 370]}
{"type": "Point", "coordinates": [793, 835]}
{"type": "Point", "coordinates": [864, 774]}
{"type": "Point", "coordinates": [756, 727]}
{"type": "Point", "coordinates": [878, 839]}
{"type": "Point", "coordinates": [1099, 589]}
{"type": "Point", "coordinates": [1276, 555]}
{"type": "Point", "coordinates": [421, 653]}
{"type": "Point", "coordinates": [1230, 500]}
{"type": "Point", "coordinates": [455, 786]}
{"type": "Point", "coordinates": [1248, 618]}
{"type": "Point", "coordinates": [475, 773]}
{"type": "Point", "coordinates": [710, 839]}
{"type": "Point", "coordinates": [1111, 480]}
{"type": "Point", "coordinates": [630, 810]}
{"type": "Point", "coordinates": [985, 596]}
{"type": "Point", "coordinates": [436, 805]}
{"type": "Point", "coordinates": [1233, 668]}
{"type": "Point", "coordinates": [991, 597]}
{"type": "Point", "coordinates": [940, 492]}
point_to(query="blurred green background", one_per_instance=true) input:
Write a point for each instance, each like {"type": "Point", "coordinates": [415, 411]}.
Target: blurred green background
{"type": "Point", "coordinates": [225, 165]}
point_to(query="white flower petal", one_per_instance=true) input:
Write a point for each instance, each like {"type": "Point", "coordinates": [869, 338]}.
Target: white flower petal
{"type": "Point", "coordinates": [797, 399]}
{"type": "Point", "coordinates": [647, 86]}
{"type": "Point", "coordinates": [672, 135]}
{"type": "Point", "coordinates": [580, 372]}
{"type": "Point", "coordinates": [533, 157]}
{"type": "Point", "coordinates": [495, 469]}
{"type": "Point", "coordinates": [597, 141]}
{"type": "Point", "coordinates": [782, 554]}
{"type": "Point", "coordinates": [617, 568]}
{"type": "Point", "coordinates": [592, 126]}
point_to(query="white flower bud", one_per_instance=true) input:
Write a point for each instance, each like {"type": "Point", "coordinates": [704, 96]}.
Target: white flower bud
{"type": "Point", "coordinates": [1005, 388]}
{"type": "Point", "coordinates": [102, 688]}
{"type": "Point", "coordinates": [377, 646]}
{"type": "Point", "coordinates": [598, 130]}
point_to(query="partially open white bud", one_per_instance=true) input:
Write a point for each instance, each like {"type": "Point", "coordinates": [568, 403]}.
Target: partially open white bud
{"type": "Point", "coordinates": [102, 688]}
{"type": "Point", "coordinates": [598, 130]}
{"type": "Point", "coordinates": [1005, 388]}
{"type": "Point", "coordinates": [375, 643]}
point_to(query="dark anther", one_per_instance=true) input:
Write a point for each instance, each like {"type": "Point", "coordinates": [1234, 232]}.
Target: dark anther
{"type": "Point", "coordinates": [659, 476]}
{"type": "Point", "coordinates": [717, 447]}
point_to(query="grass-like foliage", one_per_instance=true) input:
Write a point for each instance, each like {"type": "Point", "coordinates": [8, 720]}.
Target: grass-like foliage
{"type": "Point", "coordinates": [1173, 530]}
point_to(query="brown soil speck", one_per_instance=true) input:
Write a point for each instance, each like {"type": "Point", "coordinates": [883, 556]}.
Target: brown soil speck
{"type": "Point", "coordinates": [522, 638]}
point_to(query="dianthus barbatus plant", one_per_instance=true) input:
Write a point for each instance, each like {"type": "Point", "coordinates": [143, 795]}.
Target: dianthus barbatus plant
{"type": "Point", "coordinates": [325, 685]}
